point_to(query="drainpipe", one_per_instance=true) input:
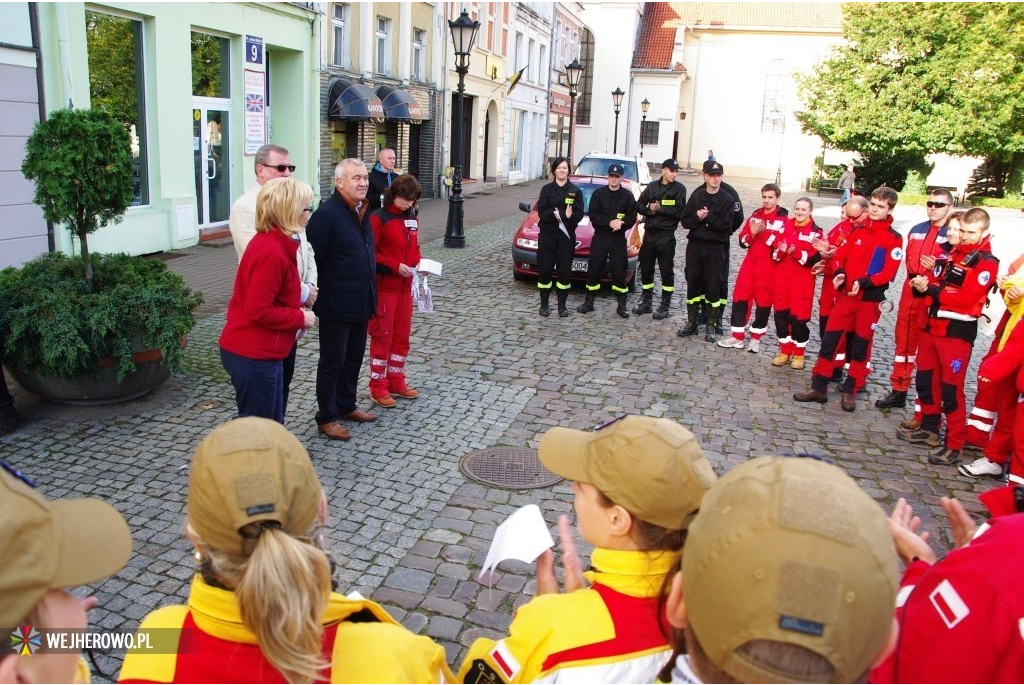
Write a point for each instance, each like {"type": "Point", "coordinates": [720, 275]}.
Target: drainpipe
{"type": "Point", "coordinates": [693, 99]}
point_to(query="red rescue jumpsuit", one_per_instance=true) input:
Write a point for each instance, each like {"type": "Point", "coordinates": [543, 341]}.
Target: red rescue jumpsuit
{"type": "Point", "coordinates": [871, 257]}
{"type": "Point", "coordinates": [757, 274]}
{"type": "Point", "coordinates": [794, 286]}
{"type": "Point", "coordinates": [396, 242]}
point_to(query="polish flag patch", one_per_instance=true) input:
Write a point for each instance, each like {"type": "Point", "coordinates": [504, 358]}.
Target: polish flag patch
{"type": "Point", "coordinates": [948, 603]}
{"type": "Point", "coordinates": [502, 657]}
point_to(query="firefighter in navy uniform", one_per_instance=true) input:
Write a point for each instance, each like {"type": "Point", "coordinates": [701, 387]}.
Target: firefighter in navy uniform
{"type": "Point", "coordinates": [559, 211]}
{"type": "Point", "coordinates": [708, 216]}
{"type": "Point", "coordinates": [612, 212]}
{"type": "Point", "coordinates": [662, 204]}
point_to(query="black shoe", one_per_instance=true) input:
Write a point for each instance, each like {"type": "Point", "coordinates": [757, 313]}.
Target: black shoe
{"type": "Point", "coordinates": [666, 302]}
{"type": "Point", "coordinates": [544, 310]}
{"type": "Point", "coordinates": [688, 330]}
{"type": "Point", "coordinates": [709, 333]}
{"type": "Point", "coordinates": [944, 457]}
{"type": "Point", "coordinates": [894, 400]}
{"type": "Point", "coordinates": [646, 298]}
{"type": "Point", "coordinates": [588, 304]}
{"type": "Point", "coordinates": [621, 309]}
{"type": "Point", "coordinates": [562, 296]}
{"type": "Point", "coordinates": [545, 299]}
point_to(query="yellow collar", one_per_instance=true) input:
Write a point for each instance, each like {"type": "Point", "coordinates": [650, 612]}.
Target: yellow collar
{"type": "Point", "coordinates": [638, 574]}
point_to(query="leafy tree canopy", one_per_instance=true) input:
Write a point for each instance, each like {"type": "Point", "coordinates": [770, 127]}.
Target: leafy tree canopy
{"type": "Point", "coordinates": [917, 78]}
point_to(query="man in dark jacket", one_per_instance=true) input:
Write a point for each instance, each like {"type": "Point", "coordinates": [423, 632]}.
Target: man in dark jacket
{"type": "Point", "coordinates": [662, 204]}
{"type": "Point", "coordinates": [612, 213]}
{"type": "Point", "coordinates": [342, 239]}
{"type": "Point", "coordinates": [382, 176]}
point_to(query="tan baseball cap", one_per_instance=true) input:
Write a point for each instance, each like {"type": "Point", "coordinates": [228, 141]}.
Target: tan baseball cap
{"type": "Point", "coordinates": [250, 470]}
{"type": "Point", "coordinates": [652, 467]}
{"type": "Point", "coordinates": [50, 545]}
{"type": "Point", "coordinates": [790, 550]}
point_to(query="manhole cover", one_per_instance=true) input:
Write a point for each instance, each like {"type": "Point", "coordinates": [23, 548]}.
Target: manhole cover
{"type": "Point", "coordinates": [508, 467]}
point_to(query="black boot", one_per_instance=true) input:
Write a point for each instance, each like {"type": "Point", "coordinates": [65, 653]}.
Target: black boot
{"type": "Point", "coordinates": [562, 297]}
{"type": "Point", "coordinates": [645, 302]}
{"type": "Point", "coordinates": [545, 298]}
{"type": "Point", "coordinates": [702, 313]}
{"type": "Point", "coordinates": [588, 304]}
{"type": "Point", "coordinates": [621, 309]}
{"type": "Point", "coordinates": [691, 322]}
{"type": "Point", "coordinates": [666, 302]}
{"type": "Point", "coordinates": [719, 328]}
{"type": "Point", "coordinates": [714, 322]}
{"type": "Point", "coordinates": [894, 400]}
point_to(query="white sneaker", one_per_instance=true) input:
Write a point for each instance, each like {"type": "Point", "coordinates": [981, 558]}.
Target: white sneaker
{"type": "Point", "coordinates": [754, 346]}
{"type": "Point", "coordinates": [982, 466]}
{"type": "Point", "coordinates": [731, 342]}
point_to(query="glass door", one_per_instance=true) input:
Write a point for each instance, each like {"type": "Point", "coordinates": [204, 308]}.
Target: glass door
{"type": "Point", "coordinates": [211, 151]}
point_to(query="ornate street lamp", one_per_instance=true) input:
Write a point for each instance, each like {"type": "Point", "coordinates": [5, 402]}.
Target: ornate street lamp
{"type": "Point", "coordinates": [573, 74]}
{"type": "Point", "coordinates": [463, 36]}
{"type": "Point", "coordinates": [644, 106]}
{"type": "Point", "coordinates": [617, 104]}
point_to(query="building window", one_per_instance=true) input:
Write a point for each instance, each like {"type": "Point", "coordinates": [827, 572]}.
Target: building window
{"type": "Point", "coordinates": [339, 25]}
{"type": "Point", "coordinates": [543, 65]}
{"type": "Point", "coordinates": [419, 55]}
{"type": "Point", "coordinates": [117, 82]}
{"type": "Point", "coordinates": [776, 98]}
{"type": "Point", "coordinates": [518, 56]}
{"type": "Point", "coordinates": [383, 45]}
{"type": "Point", "coordinates": [530, 62]}
{"type": "Point", "coordinates": [515, 152]}
{"type": "Point", "coordinates": [649, 132]}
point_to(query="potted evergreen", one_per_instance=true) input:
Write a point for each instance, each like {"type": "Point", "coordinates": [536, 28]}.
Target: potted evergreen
{"type": "Point", "coordinates": [89, 328]}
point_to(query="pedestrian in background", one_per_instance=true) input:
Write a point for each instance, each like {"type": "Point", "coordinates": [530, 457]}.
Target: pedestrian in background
{"type": "Point", "coordinates": [559, 210]}
{"type": "Point", "coordinates": [397, 249]}
{"type": "Point", "coordinates": [847, 180]}
{"type": "Point", "coordinates": [382, 176]}
{"type": "Point", "coordinates": [265, 313]}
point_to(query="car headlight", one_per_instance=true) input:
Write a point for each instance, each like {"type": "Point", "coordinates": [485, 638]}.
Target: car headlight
{"type": "Point", "coordinates": [526, 243]}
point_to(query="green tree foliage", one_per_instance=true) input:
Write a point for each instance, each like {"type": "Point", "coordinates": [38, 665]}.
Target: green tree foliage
{"type": "Point", "coordinates": [81, 161]}
{"type": "Point", "coordinates": [206, 65]}
{"type": "Point", "coordinates": [111, 42]}
{"type": "Point", "coordinates": [916, 78]}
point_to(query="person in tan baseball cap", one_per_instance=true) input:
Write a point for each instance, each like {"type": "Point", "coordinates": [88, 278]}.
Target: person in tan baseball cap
{"type": "Point", "coordinates": [48, 546]}
{"type": "Point", "coordinates": [261, 607]}
{"type": "Point", "coordinates": [638, 483]}
{"type": "Point", "coordinates": [790, 575]}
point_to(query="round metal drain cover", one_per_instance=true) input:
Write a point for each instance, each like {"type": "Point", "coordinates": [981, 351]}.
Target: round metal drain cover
{"type": "Point", "coordinates": [508, 467]}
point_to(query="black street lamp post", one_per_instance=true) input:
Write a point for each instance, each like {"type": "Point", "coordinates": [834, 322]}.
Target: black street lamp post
{"type": "Point", "coordinates": [617, 103]}
{"type": "Point", "coordinates": [644, 106]}
{"type": "Point", "coordinates": [573, 74]}
{"type": "Point", "coordinates": [463, 34]}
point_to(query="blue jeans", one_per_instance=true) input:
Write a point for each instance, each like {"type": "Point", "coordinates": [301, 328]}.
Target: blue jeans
{"type": "Point", "coordinates": [258, 383]}
{"type": "Point", "coordinates": [845, 198]}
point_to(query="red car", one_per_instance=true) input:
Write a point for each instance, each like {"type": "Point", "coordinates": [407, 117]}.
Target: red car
{"type": "Point", "coordinates": [524, 244]}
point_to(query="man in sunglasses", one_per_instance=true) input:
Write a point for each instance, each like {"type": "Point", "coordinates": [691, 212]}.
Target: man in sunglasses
{"type": "Point", "coordinates": [925, 242]}
{"type": "Point", "coordinates": [274, 161]}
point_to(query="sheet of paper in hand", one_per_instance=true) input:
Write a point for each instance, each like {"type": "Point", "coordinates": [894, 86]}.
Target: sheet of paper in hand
{"type": "Point", "coordinates": [523, 536]}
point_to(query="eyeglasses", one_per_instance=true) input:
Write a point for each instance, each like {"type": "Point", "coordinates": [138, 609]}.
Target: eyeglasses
{"type": "Point", "coordinates": [281, 168]}
{"type": "Point", "coordinates": [934, 205]}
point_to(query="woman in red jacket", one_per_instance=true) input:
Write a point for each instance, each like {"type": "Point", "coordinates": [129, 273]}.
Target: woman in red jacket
{"type": "Point", "coordinates": [794, 284]}
{"type": "Point", "coordinates": [265, 313]}
{"type": "Point", "coordinates": [396, 243]}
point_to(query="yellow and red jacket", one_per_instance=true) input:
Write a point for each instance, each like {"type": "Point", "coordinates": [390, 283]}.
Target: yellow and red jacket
{"type": "Point", "coordinates": [206, 642]}
{"type": "Point", "coordinates": [611, 632]}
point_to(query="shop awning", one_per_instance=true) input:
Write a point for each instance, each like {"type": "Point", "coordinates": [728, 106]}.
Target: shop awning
{"type": "Point", "coordinates": [351, 100]}
{"type": "Point", "coordinates": [399, 105]}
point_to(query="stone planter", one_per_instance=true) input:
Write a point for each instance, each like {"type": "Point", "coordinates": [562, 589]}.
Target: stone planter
{"type": "Point", "coordinates": [151, 370]}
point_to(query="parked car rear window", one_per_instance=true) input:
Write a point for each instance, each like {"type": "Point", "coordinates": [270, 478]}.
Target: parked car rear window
{"type": "Point", "coordinates": [596, 166]}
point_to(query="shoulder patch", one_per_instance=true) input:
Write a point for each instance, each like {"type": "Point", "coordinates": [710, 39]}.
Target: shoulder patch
{"type": "Point", "coordinates": [481, 672]}
{"type": "Point", "coordinates": [897, 253]}
{"type": "Point", "coordinates": [735, 206]}
{"type": "Point", "coordinates": [984, 277]}
{"type": "Point", "coordinates": [507, 664]}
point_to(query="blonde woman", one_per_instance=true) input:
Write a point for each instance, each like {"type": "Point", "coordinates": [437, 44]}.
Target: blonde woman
{"type": "Point", "coordinates": [265, 312]}
{"type": "Point", "coordinates": [261, 607]}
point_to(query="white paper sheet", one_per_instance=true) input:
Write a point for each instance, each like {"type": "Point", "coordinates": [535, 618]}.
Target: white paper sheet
{"type": "Point", "coordinates": [523, 536]}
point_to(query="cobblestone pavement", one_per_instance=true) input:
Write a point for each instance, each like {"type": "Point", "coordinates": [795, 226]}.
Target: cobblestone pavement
{"type": "Point", "coordinates": [406, 527]}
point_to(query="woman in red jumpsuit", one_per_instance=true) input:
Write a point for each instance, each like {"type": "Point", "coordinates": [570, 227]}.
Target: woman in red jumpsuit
{"type": "Point", "coordinates": [794, 284]}
{"type": "Point", "coordinates": [397, 248]}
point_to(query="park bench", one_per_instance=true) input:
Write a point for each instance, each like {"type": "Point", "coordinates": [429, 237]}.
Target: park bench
{"type": "Point", "coordinates": [829, 186]}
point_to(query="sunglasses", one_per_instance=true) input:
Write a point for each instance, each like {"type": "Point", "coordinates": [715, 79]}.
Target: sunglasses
{"type": "Point", "coordinates": [281, 168]}
{"type": "Point", "coordinates": [934, 205]}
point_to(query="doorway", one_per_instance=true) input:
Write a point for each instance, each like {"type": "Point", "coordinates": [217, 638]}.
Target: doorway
{"type": "Point", "coordinates": [211, 151]}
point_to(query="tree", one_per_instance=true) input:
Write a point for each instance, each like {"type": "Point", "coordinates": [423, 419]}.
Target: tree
{"type": "Point", "coordinates": [916, 78]}
{"type": "Point", "coordinates": [81, 161]}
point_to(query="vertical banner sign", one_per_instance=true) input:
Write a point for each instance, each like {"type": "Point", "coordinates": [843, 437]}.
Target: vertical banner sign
{"type": "Point", "coordinates": [255, 111]}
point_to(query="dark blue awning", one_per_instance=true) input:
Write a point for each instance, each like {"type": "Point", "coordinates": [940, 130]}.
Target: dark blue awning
{"type": "Point", "coordinates": [351, 100]}
{"type": "Point", "coordinates": [399, 105]}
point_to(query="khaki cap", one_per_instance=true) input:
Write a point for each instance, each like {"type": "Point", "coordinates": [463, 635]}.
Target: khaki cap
{"type": "Point", "coordinates": [790, 550]}
{"type": "Point", "coordinates": [246, 471]}
{"type": "Point", "coordinates": [652, 467]}
{"type": "Point", "coordinates": [50, 545]}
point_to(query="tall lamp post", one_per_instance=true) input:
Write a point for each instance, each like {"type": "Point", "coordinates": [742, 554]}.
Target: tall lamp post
{"type": "Point", "coordinates": [573, 74]}
{"type": "Point", "coordinates": [617, 103]}
{"type": "Point", "coordinates": [644, 106]}
{"type": "Point", "coordinates": [463, 34]}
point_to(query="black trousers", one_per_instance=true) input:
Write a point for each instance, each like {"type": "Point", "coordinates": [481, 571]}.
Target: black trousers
{"type": "Point", "coordinates": [258, 385]}
{"type": "Point", "coordinates": [554, 253]}
{"type": "Point", "coordinates": [342, 346]}
{"type": "Point", "coordinates": [704, 274]}
{"type": "Point", "coordinates": [660, 248]}
{"type": "Point", "coordinates": [289, 372]}
{"type": "Point", "coordinates": [611, 247]}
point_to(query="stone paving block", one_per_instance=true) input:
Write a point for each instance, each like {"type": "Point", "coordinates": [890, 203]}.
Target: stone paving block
{"type": "Point", "coordinates": [442, 627]}
{"type": "Point", "coordinates": [448, 607]}
{"type": "Point", "coordinates": [415, 622]}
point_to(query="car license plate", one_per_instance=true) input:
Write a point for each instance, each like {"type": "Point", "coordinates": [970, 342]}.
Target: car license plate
{"type": "Point", "coordinates": [580, 265]}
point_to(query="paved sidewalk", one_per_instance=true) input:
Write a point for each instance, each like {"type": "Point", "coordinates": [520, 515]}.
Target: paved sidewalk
{"type": "Point", "coordinates": [405, 526]}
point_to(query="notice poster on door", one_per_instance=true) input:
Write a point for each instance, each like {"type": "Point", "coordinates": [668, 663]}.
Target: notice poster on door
{"type": "Point", "coordinates": [255, 111]}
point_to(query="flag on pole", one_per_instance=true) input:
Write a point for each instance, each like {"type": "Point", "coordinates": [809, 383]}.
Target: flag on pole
{"type": "Point", "coordinates": [514, 79]}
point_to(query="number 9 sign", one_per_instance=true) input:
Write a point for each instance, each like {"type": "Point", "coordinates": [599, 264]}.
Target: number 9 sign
{"type": "Point", "coordinates": [254, 50]}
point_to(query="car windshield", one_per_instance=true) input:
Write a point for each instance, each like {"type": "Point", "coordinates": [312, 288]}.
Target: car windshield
{"type": "Point", "coordinates": [596, 166]}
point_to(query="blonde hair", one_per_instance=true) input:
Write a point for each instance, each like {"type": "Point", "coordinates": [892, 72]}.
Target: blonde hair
{"type": "Point", "coordinates": [282, 589]}
{"type": "Point", "coordinates": [280, 205]}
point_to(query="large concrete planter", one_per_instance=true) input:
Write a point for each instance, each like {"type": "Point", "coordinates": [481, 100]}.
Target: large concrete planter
{"type": "Point", "coordinates": [151, 370]}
